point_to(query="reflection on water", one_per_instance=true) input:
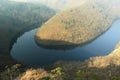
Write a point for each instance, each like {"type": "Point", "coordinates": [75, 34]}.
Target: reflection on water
{"type": "Point", "coordinates": [26, 51]}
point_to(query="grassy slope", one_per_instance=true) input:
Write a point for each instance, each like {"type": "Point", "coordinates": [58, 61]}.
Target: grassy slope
{"type": "Point", "coordinates": [76, 26]}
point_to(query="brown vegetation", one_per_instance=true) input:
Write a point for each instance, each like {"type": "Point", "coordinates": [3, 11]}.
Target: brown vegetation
{"type": "Point", "coordinates": [77, 25]}
{"type": "Point", "coordinates": [33, 74]}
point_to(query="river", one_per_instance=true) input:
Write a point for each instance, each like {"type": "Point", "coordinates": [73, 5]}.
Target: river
{"type": "Point", "coordinates": [26, 51]}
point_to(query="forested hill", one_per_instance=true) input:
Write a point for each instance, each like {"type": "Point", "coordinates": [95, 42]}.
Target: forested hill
{"type": "Point", "coordinates": [25, 12]}
{"type": "Point", "coordinates": [56, 4]}
{"type": "Point", "coordinates": [15, 17]}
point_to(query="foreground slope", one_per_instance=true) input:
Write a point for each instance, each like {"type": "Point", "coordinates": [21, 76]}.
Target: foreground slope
{"type": "Point", "coordinates": [75, 26]}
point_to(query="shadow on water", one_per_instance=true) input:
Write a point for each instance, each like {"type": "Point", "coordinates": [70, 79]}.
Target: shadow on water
{"type": "Point", "coordinates": [26, 29]}
{"type": "Point", "coordinates": [56, 46]}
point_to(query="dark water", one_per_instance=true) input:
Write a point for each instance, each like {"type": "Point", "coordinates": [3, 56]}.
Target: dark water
{"type": "Point", "coordinates": [26, 51]}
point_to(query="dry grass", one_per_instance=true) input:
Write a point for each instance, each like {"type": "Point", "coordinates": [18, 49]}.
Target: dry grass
{"type": "Point", "coordinates": [76, 25]}
{"type": "Point", "coordinates": [34, 74]}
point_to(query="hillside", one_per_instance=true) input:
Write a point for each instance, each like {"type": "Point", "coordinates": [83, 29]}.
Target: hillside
{"type": "Point", "coordinates": [17, 18]}
{"type": "Point", "coordinates": [75, 26]}
{"type": "Point", "coordinates": [61, 4]}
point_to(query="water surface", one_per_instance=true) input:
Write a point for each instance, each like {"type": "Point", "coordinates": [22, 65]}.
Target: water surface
{"type": "Point", "coordinates": [26, 51]}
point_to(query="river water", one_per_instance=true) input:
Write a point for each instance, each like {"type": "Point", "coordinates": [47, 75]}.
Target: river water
{"type": "Point", "coordinates": [26, 51]}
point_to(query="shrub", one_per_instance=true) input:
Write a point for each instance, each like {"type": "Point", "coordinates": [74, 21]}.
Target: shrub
{"type": "Point", "coordinates": [58, 74]}
{"type": "Point", "coordinates": [11, 72]}
{"type": "Point", "coordinates": [80, 75]}
{"type": "Point", "coordinates": [45, 78]}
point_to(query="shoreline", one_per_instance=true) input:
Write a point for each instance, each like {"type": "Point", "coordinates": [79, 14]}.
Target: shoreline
{"type": "Point", "coordinates": [41, 42]}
